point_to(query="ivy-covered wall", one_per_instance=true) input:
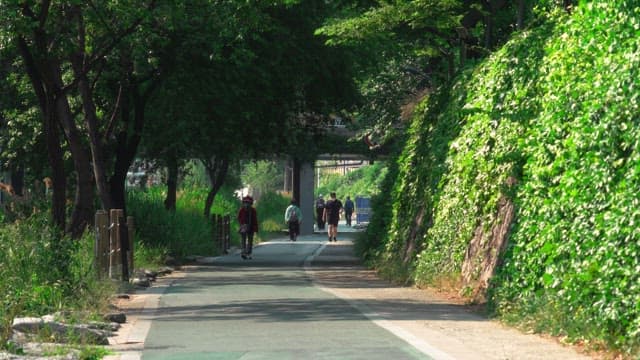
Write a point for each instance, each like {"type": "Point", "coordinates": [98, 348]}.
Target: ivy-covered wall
{"type": "Point", "coordinates": [550, 124]}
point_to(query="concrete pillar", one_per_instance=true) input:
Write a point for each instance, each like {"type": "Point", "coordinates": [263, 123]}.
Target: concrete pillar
{"type": "Point", "coordinates": [306, 197]}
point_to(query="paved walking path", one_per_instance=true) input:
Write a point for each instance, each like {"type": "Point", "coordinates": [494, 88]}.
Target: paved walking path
{"type": "Point", "coordinates": [309, 300]}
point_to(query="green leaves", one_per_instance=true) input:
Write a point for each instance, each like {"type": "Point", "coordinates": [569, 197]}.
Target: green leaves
{"type": "Point", "coordinates": [553, 113]}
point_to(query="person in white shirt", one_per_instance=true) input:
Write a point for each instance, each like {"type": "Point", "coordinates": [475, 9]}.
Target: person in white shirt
{"type": "Point", "coordinates": [293, 218]}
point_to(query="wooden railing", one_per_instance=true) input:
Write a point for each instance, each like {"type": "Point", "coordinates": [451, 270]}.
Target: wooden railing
{"type": "Point", "coordinates": [114, 244]}
{"type": "Point", "coordinates": [222, 232]}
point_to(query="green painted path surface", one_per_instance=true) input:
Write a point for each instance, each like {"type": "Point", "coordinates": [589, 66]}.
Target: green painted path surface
{"type": "Point", "coordinates": [265, 308]}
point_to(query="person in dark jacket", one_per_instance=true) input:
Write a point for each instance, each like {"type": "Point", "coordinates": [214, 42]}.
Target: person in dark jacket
{"type": "Point", "coordinates": [248, 220]}
{"type": "Point", "coordinates": [348, 210]}
{"type": "Point", "coordinates": [331, 216]}
{"type": "Point", "coordinates": [320, 212]}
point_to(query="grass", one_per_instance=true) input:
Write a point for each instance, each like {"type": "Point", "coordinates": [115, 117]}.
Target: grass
{"type": "Point", "coordinates": [44, 273]}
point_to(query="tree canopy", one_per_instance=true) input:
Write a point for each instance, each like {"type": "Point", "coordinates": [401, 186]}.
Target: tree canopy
{"type": "Point", "coordinates": [98, 84]}
{"type": "Point", "coordinates": [413, 47]}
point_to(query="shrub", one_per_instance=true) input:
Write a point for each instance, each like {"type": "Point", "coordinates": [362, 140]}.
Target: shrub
{"type": "Point", "coordinates": [270, 208]}
{"type": "Point", "coordinates": [364, 181]}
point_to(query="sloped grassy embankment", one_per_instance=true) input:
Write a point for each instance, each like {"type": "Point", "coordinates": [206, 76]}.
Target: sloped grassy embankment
{"type": "Point", "coordinates": [530, 165]}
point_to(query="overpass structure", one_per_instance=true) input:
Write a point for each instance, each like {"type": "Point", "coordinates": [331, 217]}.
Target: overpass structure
{"type": "Point", "coordinates": [304, 183]}
{"type": "Point", "coordinates": [303, 179]}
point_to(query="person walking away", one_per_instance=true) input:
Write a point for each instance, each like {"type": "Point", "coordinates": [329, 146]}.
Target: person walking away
{"type": "Point", "coordinates": [320, 212]}
{"type": "Point", "coordinates": [293, 218]}
{"type": "Point", "coordinates": [331, 216]}
{"type": "Point", "coordinates": [248, 220]}
{"type": "Point", "coordinates": [348, 210]}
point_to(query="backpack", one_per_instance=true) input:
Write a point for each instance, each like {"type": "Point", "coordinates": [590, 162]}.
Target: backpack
{"type": "Point", "coordinates": [294, 215]}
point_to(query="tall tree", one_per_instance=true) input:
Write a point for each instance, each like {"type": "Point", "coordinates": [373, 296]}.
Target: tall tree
{"type": "Point", "coordinates": [64, 47]}
{"type": "Point", "coordinates": [245, 77]}
{"type": "Point", "coordinates": [21, 141]}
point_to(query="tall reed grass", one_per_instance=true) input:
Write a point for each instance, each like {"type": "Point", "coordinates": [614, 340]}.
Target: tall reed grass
{"type": "Point", "coordinates": [42, 273]}
{"type": "Point", "coordinates": [271, 208]}
{"type": "Point", "coordinates": [185, 232]}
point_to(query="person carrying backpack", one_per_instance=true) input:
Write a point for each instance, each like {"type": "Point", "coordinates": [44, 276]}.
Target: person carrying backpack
{"type": "Point", "coordinates": [293, 218]}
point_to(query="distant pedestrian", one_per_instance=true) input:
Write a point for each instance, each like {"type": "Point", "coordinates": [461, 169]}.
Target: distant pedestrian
{"type": "Point", "coordinates": [331, 216]}
{"type": "Point", "coordinates": [348, 210]}
{"type": "Point", "coordinates": [293, 218]}
{"type": "Point", "coordinates": [248, 220]}
{"type": "Point", "coordinates": [320, 212]}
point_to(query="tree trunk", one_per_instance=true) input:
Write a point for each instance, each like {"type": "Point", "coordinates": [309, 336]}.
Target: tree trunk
{"type": "Point", "coordinates": [522, 9]}
{"type": "Point", "coordinates": [96, 146]}
{"type": "Point", "coordinates": [46, 78]}
{"type": "Point", "coordinates": [452, 65]}
{"type": "Point", "coordinates": [129, 137]}
{"type": "Point", "coordinates": [95, 142]}
{"type": "Point", "coordinates": [492, 7]}
{"type": "Point", "coordinates": [46, 100]}
{"type": "Point", "coordinates": [488, 31]}
{"type": "Point", "coordinates": [82, 214]}
{"type": "Point", "coordinates": [217, 169]}
{"type": "Point", "coordinates": [17, 179]}
{"type": "Point", "coordinates": [58, 177]}
{"type": "Point", "coordinates": [172, 185]}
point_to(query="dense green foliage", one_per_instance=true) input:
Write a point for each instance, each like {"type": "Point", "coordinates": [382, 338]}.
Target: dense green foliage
{"type": "Point", "coordinates": [364, 181]}
{"type": "Point", "coordinates": [186, 232]}
{"type": "Point", "coordinates": [41, 274]}
{"type": "Point", "coordinates": [180, 233]}
{"type": "Point", "coordinates": [262, 176]}
{"type": "Point", "coordinates": [549, 122]}
{"type": "Point", "coordinates": [270, 208]}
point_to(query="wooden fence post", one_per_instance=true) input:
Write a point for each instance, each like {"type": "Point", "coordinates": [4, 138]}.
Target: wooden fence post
{"type": "Point", "coordinates": [216, 238]}
{"type": "Point", "coordinates": [220, 227]}
{"type": "Point", "coordinates": [132, 230]}
{"type": "Point", "coordinates": [226, 237]}
{"type": "Point", "coordinates": [124, 245]}
{"type": "Point", "coordinates": [101, 247]}
{"type": "Point", "coordinates": [221, 232]}
{"type": "Point", "coordinates": [115, 257]}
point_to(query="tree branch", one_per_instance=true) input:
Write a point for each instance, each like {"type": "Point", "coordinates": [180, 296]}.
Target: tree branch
{"type": "Point", "coordinates": [44, 13]}
{"type": "Point", "coordinates": [26, 11]}
{"type": "Point", "coordinates": [32, 70]}
{"type": "Point", "coordinates": [112, 120]}
{"type": "Point", "coordinates": [100, 54]}
{"type": "Point", "coordinates": [128, 31]}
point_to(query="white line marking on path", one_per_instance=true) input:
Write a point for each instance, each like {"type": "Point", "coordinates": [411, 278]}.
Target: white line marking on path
{"type": "Point", "coordinates": [420, 344]}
